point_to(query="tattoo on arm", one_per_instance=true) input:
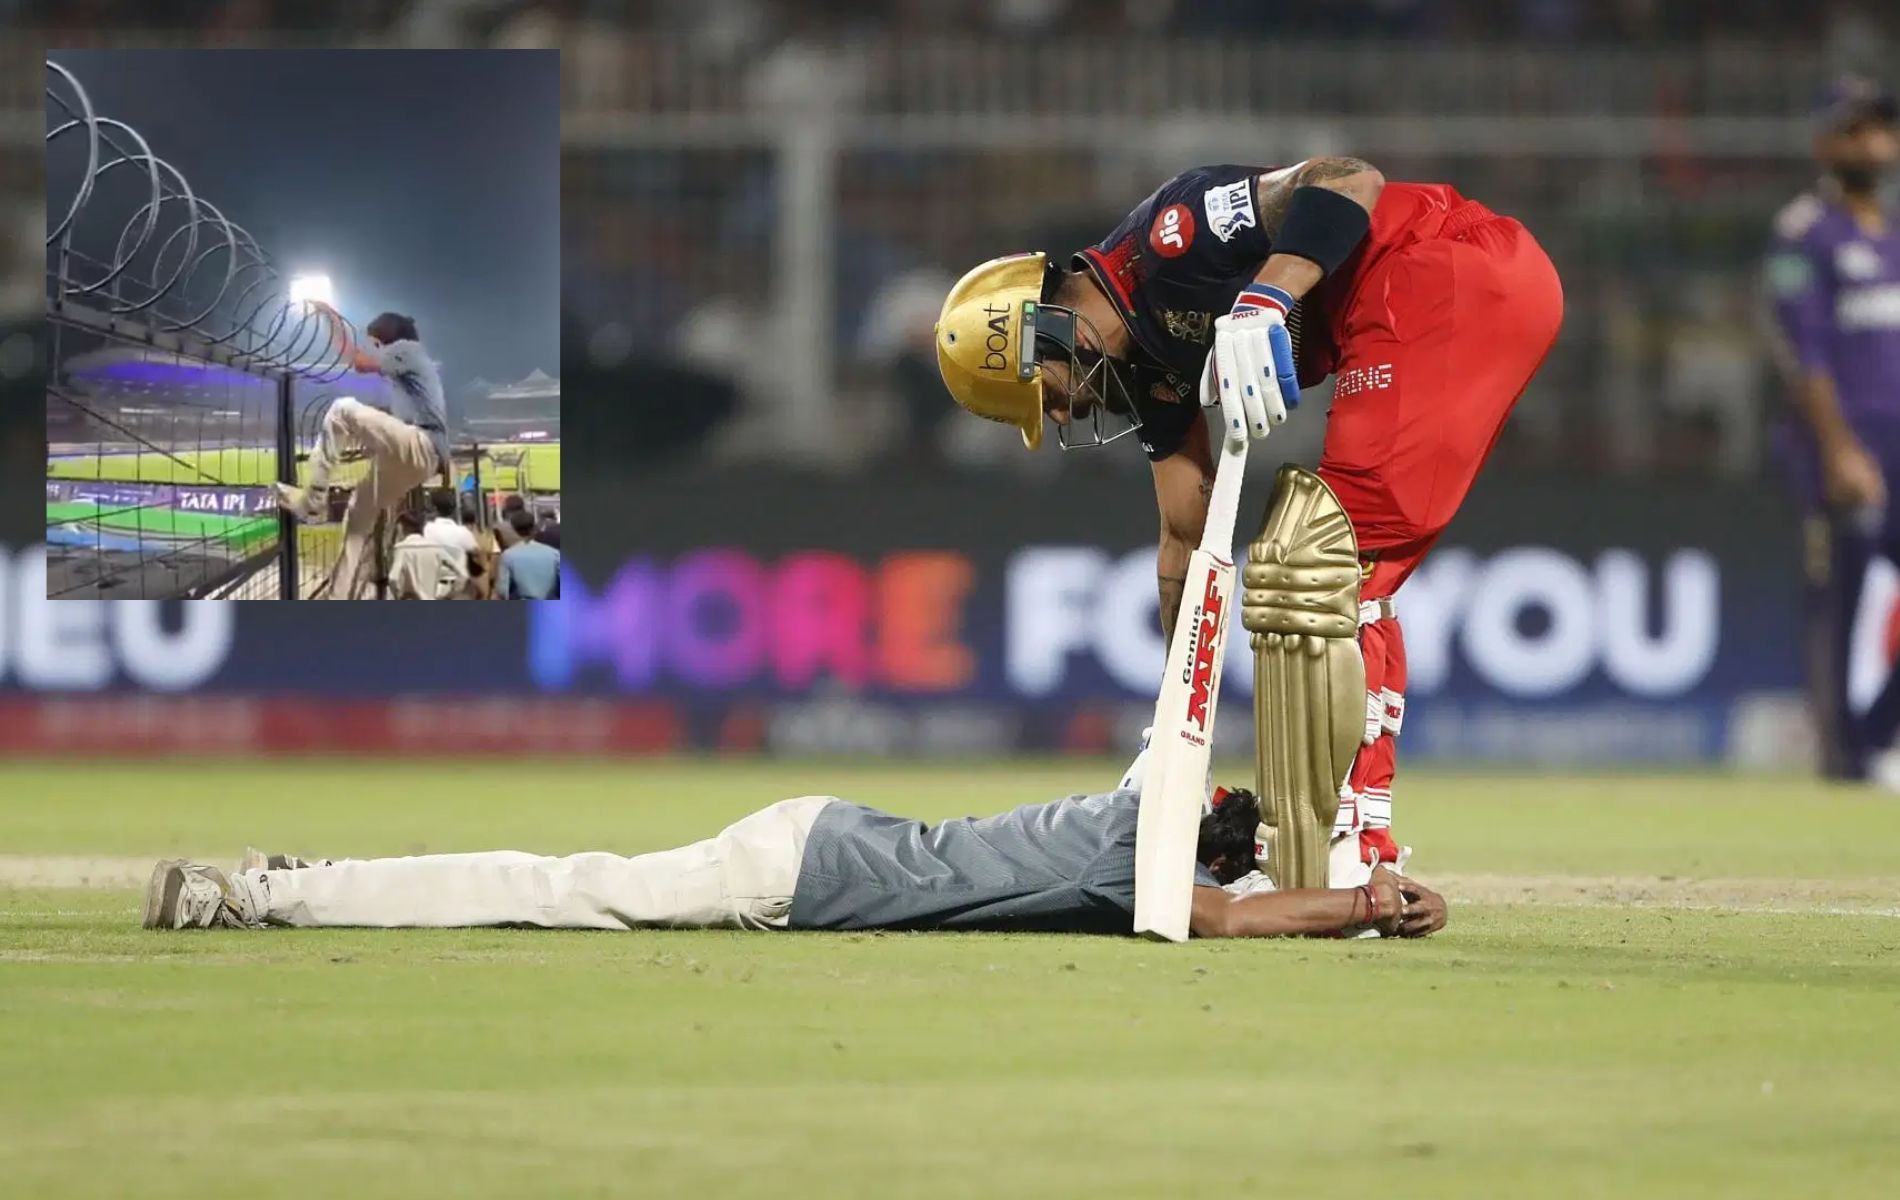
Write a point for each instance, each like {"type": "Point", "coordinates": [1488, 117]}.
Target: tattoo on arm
{"type": "Point", "coordinates": [1172, 587]}
{"type": "Point", "coordinates": [1319, 172]}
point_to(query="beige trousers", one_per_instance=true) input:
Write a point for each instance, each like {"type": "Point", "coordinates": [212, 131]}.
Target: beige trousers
{"type": "Point", "coordinates": [742, 878]}
{"type": "Point", "coordinates": [401, 456]}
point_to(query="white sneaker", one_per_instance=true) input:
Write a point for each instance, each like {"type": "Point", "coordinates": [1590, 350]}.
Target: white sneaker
{"type": "Point", "coordinates": [300, 503]}
{"type": "Point", "coordinates": [1248, 884]}
{"type": "Point", "coordinates": [185, 895]}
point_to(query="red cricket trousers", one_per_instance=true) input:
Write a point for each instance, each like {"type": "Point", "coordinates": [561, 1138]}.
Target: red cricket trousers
{"type": "Point", "coordinates": [1437, 342]}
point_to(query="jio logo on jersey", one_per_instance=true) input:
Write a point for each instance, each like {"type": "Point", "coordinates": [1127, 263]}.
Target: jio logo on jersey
{"type": "Point", "coordinates": [1173, 231]}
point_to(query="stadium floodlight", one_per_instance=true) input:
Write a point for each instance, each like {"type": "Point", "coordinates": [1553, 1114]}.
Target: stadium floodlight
{"type": "Point", "coordinates": [308, 289]}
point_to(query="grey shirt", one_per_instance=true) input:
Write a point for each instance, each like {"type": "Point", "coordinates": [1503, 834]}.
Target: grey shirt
{"type": "Point", "coordinates": [1066, 866]}
{"type": "Point", "coordinates": [418, 390]}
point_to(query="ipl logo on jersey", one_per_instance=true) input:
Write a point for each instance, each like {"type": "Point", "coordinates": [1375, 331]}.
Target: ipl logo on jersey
{"type": "Point", "coordinates": [1229, 208]}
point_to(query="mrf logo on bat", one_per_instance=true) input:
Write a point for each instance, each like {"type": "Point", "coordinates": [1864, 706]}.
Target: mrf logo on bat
{"type": "Point", "coordinates": [1201, 664]}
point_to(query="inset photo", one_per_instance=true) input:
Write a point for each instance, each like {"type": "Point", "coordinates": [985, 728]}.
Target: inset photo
{"type": "Point", "coordinates": [303, 324]}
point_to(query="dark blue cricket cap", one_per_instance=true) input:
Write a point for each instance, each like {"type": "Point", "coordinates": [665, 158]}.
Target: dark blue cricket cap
{"type": "Point", "coordinates": [1851, 98]}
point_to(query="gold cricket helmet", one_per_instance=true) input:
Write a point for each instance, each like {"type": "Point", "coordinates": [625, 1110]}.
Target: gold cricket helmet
{"type": "Point", "coordinates": [986, 342]}
{"type": "Point", "coordinates": [997, 330]}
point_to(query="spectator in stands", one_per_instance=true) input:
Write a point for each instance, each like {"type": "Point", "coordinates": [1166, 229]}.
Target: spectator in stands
{"type": "Point", "coordinates": [505, 532]}
{"type": "Point", "coordinates": [425, 569]}
{"type": "Point", "coordinates": [444, 528]}
{"type": "Point", "coordinates": [530, 570]}
{"type": "Point", "coordinates": [482, 560]}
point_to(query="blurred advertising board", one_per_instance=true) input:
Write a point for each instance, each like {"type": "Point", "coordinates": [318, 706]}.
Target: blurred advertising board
{"type": "Point", "coordinates": [1556, 623]}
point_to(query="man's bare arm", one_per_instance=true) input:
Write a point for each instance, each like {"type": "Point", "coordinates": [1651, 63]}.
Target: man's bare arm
{"type": "Point", "coordinates": [1184, 482]}
{"type": "Point", "coordinates": [359, 360]}
{"type": "Point", "coordinates": [1354, 178]}
{"type": "Point", "coordinates": [1170, 560]}
{"type": "Point", "coordinates": [1394, 904]}
{"type": "Point", "coordinates": [1814, 398]}
{"type": "Point", "coordinates": [1296, 913]}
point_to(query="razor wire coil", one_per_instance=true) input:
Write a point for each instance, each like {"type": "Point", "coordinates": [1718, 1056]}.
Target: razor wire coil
{"type": "Point", "coordinates": [177, 262]}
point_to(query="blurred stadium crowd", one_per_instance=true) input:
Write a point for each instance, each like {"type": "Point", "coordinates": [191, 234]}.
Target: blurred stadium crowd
{"type": "Point", "coordinates": [765, 201]}
{"type": "Point", "coordinates": [1330, 19]}
{"type": "Point", "coordinates": [843, 169]}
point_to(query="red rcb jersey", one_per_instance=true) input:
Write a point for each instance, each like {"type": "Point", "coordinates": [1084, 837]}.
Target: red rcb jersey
{"type": "Point", "coordinates": [1176, 262]}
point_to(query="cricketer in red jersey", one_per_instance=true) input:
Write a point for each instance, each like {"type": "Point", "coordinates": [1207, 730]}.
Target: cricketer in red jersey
{"type": "Point", "coordinates": [1237, 286]}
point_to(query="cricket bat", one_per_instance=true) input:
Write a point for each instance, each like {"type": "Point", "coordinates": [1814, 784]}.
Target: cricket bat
{"type": "Point", "coordinates": [1174, 784]}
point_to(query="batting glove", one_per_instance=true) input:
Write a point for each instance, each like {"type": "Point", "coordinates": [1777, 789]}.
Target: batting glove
{"type": "Point", "coordinates": [1251, 374]}
{"type": "Point", "coordinates": [1131, 778]}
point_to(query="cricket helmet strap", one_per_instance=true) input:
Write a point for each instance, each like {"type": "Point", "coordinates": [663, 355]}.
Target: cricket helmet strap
{"type": "Point", "coordinates": [986, 360]}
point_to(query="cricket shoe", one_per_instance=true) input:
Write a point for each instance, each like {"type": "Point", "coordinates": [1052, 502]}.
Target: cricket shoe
{"type": "Point", "coordinates": [256, 860]}
{"type": "Point", "coordinates": [1353, 856]}
{"type": "Point", "coordinates": [299, 502]}
{"type": "Point", "coordinates": [1883, 769]}
{"type": "Point", "coordinates": [186, 895]}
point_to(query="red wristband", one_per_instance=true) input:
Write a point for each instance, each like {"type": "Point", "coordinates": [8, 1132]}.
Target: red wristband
{"type": "Point", "coordinates": [1372, 903]}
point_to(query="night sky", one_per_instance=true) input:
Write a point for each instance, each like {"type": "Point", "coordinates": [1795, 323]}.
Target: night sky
{"type": "Point", "coordinates": [422, 181]}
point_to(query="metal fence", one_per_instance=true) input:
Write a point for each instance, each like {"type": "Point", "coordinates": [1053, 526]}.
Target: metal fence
{"type": "Point", "coordinates": [178, 362]}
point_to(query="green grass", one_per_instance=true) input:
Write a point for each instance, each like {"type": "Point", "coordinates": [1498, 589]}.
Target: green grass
{"type": "Point", "coordinates": [231, 466]}
{"type": "Point", "coordinates": [535, 465]}
{"type": "Point", "coordinates": [255, 467]}
{"type": "Point", "coordinates": [1556, 1051]}
{"type": "Point", "coordinates": [244, 533]}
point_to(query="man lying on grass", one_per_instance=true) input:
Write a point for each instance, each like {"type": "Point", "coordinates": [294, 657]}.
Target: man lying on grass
{"type": "Point", "coordinates": [814, 862]}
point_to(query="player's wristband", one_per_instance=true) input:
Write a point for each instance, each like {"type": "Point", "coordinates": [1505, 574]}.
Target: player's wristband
{"type": "Point", "coordinates": [1256, 296]}
{"type": "Point", "coordinates": [1323, 227]}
